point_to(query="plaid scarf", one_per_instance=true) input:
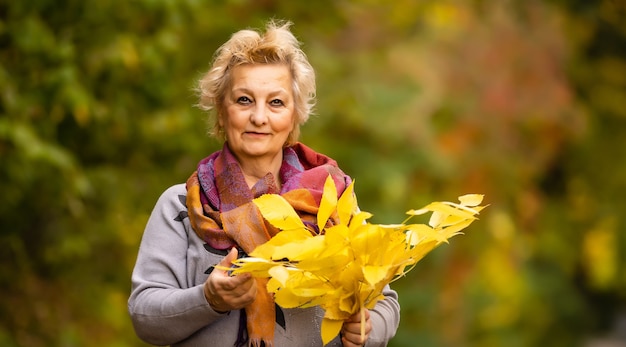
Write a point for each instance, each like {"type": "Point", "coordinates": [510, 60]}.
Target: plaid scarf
{"type": "Point", "coordinates": [222, 214]}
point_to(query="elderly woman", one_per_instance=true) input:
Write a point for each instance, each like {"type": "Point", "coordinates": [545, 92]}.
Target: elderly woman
{"type": "Point", "coordinates": [262, 89]}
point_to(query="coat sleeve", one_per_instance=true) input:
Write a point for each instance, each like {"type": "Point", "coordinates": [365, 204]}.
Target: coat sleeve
{"type": "Point", "coordinates": [385, 318]}
{"type": "Point", "coordinates": [164, 308]}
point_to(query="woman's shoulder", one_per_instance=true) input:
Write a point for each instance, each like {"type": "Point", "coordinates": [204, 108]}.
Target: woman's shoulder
{"type": "Point", "coordinates": [173, 192]}
{"type": "Point", "coordinates": [176, 189]}
{"type": "Point", "coordinates": [310, 158]}
{"type": "Point", "coordinates": [174, 197]}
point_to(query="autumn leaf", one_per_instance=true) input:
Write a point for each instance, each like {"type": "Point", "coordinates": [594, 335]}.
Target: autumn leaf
{"type": "Point", "coordinates": [330, 329]}
{"type": "Point", "coordinates": [328, 203]}
{"type": "Point", "coordinates": [347, 204]}
{"type": "Point", "coordinates": [276, 210]}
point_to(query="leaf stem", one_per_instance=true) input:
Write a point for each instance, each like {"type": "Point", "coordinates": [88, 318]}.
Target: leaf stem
{"type": "Point", "coordinates": [362, 323]}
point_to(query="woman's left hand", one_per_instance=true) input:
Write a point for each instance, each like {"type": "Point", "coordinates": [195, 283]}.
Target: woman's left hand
{"type": "Point", "coordinates": [351, 330]}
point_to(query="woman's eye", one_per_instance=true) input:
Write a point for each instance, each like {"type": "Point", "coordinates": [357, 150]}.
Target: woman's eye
{"type": "Point", "coordinates": [243, 100]}
{"type": "Point", "coordinates": [276, 102]}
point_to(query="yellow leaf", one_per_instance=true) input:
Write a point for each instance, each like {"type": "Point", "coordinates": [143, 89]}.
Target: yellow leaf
{"type": "Point", "coordinates": [471, 199]}
{"type": "Point", "coordinates": [328, 202]}
{"type": "Point", "coordinates": [337, 234]}
{"type": "Point", "coordinates": [280, 273]}
{"type": "Point", "coordinates": [371, 302]}
{"type": "Point", "coordinates": [300, 290]}
{"type": "Point", "coordinates": [347, 205]}
{"type": "Point", "coordinates": [419, 251]}
{"type": "Point", "coordinates": [309, 248]}
{"type": "Point", "coordinates": [256, 266]}
{"type": "Point", "coordinates": [332, 258]}
{"type": "Point", "coordinates": [374, 274]}
{"type": "Point", "coordinates": [288, 236]}
{"type": "Point", "coordinates": [454, 229]}
{"type": "Point", "coordinates": [347, 305]}
{"type": "Point", "coordinates": [366, 238]}
{"type": "Point", "coordinates": [445, 208]}
{"type": "Point", "coordinates": [267, 250]}
{"type": "Point", "coordinates": [285, 298]}
{"type": "Point", "coordinates": [442, 210]}
{"type": "Point", "coordinates": [273, 285]}
{"type": "Point", "coordinates": [330, 329]}
{"type": "Point", "coordinates": [359, 218]}
{"type": "Point", "coordinates": [453, 209]}
{"type": "Point", "coordinates": [313, 292]}
{"type": "Point", "coordinates": [470, 210]}
{"type": "Point", "coordinates": [417, 233]}
{"type": "Point", "coordinates": [276, 210]}
{"type": "Point", "coordinates": [478, 208]}
{"type": "Point", "coordinates": [419, 212]}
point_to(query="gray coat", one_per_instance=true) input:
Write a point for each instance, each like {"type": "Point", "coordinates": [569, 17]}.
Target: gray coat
{"type": "Point", "coordinates": [167, 303]}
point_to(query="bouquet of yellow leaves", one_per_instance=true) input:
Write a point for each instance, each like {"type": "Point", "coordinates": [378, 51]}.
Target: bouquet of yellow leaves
{"type": "Point", "coordinates": [345, 268]}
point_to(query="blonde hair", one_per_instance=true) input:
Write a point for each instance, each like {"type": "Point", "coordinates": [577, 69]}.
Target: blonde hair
{"type": "Point", "coordinates": [277, 45]}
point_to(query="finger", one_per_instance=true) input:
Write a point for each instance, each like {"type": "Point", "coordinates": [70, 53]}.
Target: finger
{"type": "Point", "coordinates": [238, 291]}
{"type": "Point", "coordinates": [239, 279]}
{"type": "Point", "coordinates": [352, 340]}
{"type": "Point", "coordinates": [226, 262]}
{"type": "Point", "coordinates": [352, 329]}
{"type": "Point", "coordinates": [355, 318]}
{"type": "Point", "coordinates": [229, 258]}
{"type": "Point", "coordinates": [241, 283]}
{"type": "Point", "coordinates": [355, 331]}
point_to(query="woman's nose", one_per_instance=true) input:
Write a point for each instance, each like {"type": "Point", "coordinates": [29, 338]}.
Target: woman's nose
{"type": "Point", "coordinates": [259, 114]}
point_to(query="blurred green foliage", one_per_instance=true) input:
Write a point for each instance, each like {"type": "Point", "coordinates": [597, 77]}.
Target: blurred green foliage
{"type": "Point", "coordinates": [418, 100]}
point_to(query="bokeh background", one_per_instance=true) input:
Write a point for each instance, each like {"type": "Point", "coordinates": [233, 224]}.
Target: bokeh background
{"type": "Point", "coordinates": [420, 101]}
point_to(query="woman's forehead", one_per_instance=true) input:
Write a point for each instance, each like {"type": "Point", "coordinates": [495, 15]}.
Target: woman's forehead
{"type": "Point", "coordinates": [258, 76]}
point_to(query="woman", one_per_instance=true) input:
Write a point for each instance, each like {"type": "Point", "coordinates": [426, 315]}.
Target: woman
{"type": "Point", "coordinates": [262, 88]}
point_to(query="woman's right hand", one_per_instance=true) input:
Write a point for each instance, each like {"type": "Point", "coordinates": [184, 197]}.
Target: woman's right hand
{"type": "Point", "coordinates": [225, 293]}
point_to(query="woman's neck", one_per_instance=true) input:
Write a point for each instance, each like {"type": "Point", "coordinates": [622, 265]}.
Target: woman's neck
{"type": "Point", "coordinates": [254, 169]}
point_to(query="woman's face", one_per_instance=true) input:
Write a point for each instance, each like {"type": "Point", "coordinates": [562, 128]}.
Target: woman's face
{"type": "Point", "coordinates": [259, 111]}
